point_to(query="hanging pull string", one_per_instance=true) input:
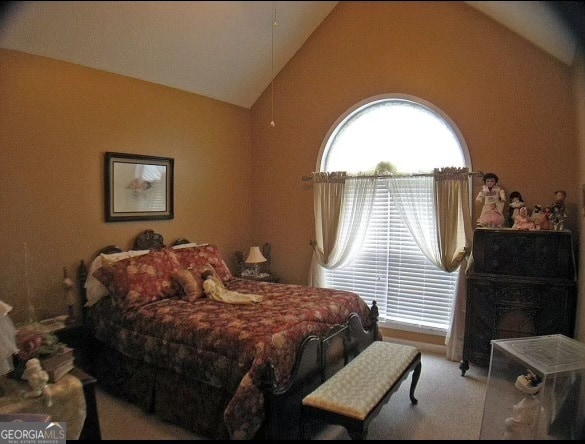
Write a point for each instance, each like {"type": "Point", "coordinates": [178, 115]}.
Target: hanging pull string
{"type": "Point", "coordinates": [274, 25]}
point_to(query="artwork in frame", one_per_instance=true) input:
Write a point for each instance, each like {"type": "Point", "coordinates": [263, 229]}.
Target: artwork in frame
{"type": "Point", "coordinates": [138, 187]}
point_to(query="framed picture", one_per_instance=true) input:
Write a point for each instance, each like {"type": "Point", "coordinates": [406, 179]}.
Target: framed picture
{"type": "Point", "coordinates": [138, 187]}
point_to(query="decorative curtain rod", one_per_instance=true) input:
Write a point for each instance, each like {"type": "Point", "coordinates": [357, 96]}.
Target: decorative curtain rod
{"type": "Point", "coordinates": [381, 176]}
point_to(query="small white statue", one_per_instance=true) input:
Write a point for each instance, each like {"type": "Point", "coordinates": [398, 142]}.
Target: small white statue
{"type": "Point", "coordinates": [527, 421]}
{"type": "Point", "coordinates": [37, 380]}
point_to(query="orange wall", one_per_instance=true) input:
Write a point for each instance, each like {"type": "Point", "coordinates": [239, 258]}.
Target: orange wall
{"type": "Point", "coordinates": [512, 102]}
{"type": "Point", "coordinates": [57, 120]}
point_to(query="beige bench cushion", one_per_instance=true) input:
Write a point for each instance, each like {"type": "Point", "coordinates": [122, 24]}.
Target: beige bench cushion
{"type": "Point", "coordinates": [356, 389]}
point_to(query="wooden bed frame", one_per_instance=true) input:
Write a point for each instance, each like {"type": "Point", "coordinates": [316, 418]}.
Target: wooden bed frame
{"type": "Point", "coordinates": [317, 359]}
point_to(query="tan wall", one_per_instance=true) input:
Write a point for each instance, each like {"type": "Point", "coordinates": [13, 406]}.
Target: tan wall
{"type": "Point", "coordinates": [512, 102]}
{"type": "Point", "coordinates": [57, 120]}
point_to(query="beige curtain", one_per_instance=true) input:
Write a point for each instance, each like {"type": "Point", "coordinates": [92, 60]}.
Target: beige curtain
{"type": "Point", "coordinates": [442, 230]}
{"type": "Point", "coordinates": [455, 232]}
{"type": "Point", "coordinates": [413, 196]}
{"type": "Point", "coordinates": [342, 207]}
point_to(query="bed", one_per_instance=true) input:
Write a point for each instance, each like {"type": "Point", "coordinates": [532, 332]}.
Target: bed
{"type": "Point", "coordinates": [222, 370]}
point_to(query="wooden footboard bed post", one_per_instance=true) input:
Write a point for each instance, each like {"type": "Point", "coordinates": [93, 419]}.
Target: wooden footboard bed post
{"type": "Point", "coordinates": [318, 359]}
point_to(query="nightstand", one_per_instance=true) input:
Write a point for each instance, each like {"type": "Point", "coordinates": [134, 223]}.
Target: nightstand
{"type": "Point", "coordinates": [73, 403]}
{"type": "Point", "coordinates": [79, 338]}
{"type": "Point", "coordinates": [263, 277]}
{"type": "Point", "coordinates": [91, 427]}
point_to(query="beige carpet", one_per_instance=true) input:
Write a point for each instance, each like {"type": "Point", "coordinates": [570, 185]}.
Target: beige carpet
{"type": "Point", "coordinates": [449, 407]}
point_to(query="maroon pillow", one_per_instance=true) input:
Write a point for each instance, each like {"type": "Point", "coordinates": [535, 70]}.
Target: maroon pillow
{"type": "Point", "coordinates": [139, 280]}
{"type": "Point", "coordinates": [200, 255]}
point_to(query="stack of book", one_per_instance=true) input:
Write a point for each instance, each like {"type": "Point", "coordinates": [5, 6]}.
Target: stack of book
{"type": "Point", "coordinates": [58, 364]}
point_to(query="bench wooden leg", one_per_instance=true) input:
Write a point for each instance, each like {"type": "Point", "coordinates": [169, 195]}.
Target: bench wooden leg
{"type": "Point", "coordinates": [415, 378]}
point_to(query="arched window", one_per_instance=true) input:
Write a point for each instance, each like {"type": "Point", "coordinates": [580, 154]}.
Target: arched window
{"type": "Point", "coordinates": [406, 135]}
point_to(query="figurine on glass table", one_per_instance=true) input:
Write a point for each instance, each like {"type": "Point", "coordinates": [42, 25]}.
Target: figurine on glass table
{"type": "Point", "coordinates": [528, 419]}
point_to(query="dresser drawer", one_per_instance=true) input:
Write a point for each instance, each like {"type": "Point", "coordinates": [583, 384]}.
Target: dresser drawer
{"type": "Point", "coordinates": [543, 254]}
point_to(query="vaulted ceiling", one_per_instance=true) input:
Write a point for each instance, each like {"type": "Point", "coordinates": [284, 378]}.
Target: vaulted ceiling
{"type": "Point", "coordinates": [219, 49]}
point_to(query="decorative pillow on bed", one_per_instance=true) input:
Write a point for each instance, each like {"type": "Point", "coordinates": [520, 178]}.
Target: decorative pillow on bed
{"type": "Point", "coordinates": [204, 254]}
{"type": "Point", "coordinates": [139, 280]}
{"type": "Point", "coordinates": [192, 287]}
{"type": "Point", "coordinates": [95, 290]}
{"type": "Point", "coordinates": [191, 281]}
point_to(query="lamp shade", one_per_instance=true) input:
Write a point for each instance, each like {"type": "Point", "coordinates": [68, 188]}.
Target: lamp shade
{"type": "Point", "coordinates": [255, 256]}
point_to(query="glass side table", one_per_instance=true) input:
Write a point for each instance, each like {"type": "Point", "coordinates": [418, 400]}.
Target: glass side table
{"type": "Point", "coordinates": [551, 408]}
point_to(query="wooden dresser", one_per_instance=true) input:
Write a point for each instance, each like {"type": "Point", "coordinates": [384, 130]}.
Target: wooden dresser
{"type": "Point", "coordinates": [522, 283]}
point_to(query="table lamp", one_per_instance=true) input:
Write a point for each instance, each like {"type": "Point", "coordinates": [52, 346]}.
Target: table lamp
{"type": "Point", "coordinates": [255, 257]}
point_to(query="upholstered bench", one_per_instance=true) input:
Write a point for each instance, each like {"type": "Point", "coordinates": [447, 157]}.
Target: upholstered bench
{"type": "Point", "coordinates": [354, 395]}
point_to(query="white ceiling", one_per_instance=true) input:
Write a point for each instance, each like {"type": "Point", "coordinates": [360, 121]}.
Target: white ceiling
{"type": "Point", "coordinates": [219, 49]}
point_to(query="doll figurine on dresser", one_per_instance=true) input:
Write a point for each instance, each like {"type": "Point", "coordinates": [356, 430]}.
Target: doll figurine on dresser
{"type": "Point", "coordinates": [538, 217]}
{"type": "Point", "coordinates": [546, 221]}
{"type": "Point", "coordinates": [516, 202]}
{"type": "Point", "coordinates": [489, 195]}
{"type": "Point", "coordinates": [522, 221]}
{"type": "Point", "coordinates": [559, 213]}
{"type": "Point", "coordinates": [492, 218]}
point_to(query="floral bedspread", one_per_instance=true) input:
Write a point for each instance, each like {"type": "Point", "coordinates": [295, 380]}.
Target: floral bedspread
{"type": "Point", "coordinates": [228, 345]}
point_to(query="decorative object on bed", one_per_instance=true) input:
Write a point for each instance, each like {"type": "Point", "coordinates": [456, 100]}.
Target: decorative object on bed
{"type": "Point", "coordinates": [138, 187]}
{"type": "Point", "coordinates": [221, 370]}
{"type": "Point", "coordinates": [140, 280]}
{"type": "Point", "coordinates": [192, 287]}
{"type": "Point", "coordinates": [215, 290]}
{"type": "Point", "coordinates": [198, 256]}
{"type": "Point", "coordinates": [94, 289]}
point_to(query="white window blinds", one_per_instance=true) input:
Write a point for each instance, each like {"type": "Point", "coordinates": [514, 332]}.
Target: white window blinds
{"type": "Point", "coordinates": [415, 137]}
{"type": "Point", "coordinates": [392, 270]}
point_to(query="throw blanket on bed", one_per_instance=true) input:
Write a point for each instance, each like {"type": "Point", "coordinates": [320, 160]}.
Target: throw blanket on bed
{"type": "Point", "coordinates": [229, 345]}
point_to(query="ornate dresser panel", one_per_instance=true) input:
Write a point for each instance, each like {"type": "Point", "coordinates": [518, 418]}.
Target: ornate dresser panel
{"type": "Point", "coordinates": [522, 284]}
